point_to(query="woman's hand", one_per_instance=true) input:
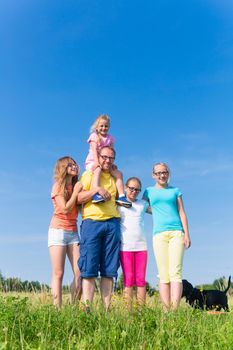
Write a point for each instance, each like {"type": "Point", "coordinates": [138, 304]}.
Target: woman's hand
{"type": "Point", "coordinates": [77, 188]}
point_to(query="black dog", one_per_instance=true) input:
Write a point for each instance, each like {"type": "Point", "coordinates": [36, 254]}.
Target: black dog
{"type": "Point", "coordinates": [206, 299]}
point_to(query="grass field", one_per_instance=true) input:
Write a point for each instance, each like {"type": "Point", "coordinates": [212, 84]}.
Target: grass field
{"type": "Point", "coordinates": [29, 321]}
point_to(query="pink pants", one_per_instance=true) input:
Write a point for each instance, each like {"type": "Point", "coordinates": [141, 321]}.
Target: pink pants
{"type": "Point", "coordinates": [134, 268]}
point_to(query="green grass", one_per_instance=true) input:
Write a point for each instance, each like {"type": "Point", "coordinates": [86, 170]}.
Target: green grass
{"type": "Point", "coordinates": [31, 322]}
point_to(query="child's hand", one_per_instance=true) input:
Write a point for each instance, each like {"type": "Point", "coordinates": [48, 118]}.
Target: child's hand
{"type": "Point", "coordinates": [187, 241]}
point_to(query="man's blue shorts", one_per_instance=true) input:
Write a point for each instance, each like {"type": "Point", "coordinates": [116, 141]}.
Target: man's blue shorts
{"type": "Point", "coordinates": [99, 248]}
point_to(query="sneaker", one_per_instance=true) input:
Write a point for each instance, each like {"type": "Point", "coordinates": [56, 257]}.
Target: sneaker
{"type": "Point", "coordinates": [123, 201]}
{"type": "Point", "coordinates": [97, 198]}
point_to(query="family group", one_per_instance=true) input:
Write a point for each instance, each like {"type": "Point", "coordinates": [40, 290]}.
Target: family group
{"type": "Point", "coordinates": [112, 228]}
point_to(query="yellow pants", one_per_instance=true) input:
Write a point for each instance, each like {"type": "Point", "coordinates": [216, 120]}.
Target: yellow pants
{"type": "Point", "coordinates": [169, 251]}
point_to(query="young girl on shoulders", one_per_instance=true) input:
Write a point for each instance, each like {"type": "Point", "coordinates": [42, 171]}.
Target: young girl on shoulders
{"type": "Point", "coordinates": [63, 237]}
{"type": "Point", "coordinates": [170, 234]}
{"type": "Point", "coordinates": [99, 138]}
{"type": "Point", "coordinates": [133, 255]}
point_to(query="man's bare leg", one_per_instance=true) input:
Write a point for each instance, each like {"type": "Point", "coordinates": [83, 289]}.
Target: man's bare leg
{"type": "Point", "coordinates": [88, 290]}
{"type": "Point", "coordinates": [106, 285]}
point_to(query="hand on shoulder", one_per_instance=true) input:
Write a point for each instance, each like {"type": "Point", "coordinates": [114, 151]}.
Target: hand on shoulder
{"type": "Point", "coordinates": [78, 187]}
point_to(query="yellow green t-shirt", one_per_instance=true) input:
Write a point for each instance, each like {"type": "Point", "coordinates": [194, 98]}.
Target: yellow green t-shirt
{"type": "Point", "coordinates": [101, 211]}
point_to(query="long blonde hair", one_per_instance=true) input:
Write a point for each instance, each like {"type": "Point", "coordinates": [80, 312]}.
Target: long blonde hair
{"type": "Point", "coordinates": [96, 123]}
{"type": "Point", "coordinates": [60, 174]}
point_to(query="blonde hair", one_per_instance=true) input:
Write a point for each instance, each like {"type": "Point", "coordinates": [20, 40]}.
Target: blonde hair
{"type": "Point", "coordinates": [60, 174]}
{"type": "Point", "coordinates": [96, 123]}
{"type": "Point", "coordinates": [166, 166]}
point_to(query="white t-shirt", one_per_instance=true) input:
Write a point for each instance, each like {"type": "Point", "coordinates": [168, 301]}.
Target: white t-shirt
{"type": "Point", "coordinates": [132, 226]}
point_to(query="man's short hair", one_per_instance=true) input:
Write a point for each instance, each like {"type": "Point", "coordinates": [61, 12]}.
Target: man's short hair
{"type": "Point", "coordinates": [108, 147]}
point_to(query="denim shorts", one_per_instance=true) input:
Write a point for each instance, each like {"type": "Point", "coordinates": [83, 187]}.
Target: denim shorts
{"type": "Point", "coordinates": [99, 248]}
{"type": "Point", "coordinates": [58, 236]}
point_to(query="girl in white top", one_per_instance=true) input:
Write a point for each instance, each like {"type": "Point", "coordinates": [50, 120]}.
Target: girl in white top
{"type": "Point", "coordinates": [133, 255]}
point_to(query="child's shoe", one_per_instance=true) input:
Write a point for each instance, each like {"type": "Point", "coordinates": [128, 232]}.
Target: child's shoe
{"type": "Point", "coordinates": [97, 198]}
{"type": "Point", "coordinates": [123, 201]}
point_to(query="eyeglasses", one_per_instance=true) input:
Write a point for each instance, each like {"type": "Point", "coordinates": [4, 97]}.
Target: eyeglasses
{"type": "Point", "coordinates": [111, 159]}
{"type": "Point", "coordinates": [72, 165]}
{"type": "Point", "coordinates": [159, 173]}
{"type": "Point", "coordinates": [134, 189]}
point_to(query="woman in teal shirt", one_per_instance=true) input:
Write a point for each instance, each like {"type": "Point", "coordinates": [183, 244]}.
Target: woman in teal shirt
{"type": "Point", "coordinates": [171, 234]}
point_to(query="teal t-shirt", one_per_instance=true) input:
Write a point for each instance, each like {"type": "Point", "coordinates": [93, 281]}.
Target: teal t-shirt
{"type": "Point", "coordinates": [163, 202]}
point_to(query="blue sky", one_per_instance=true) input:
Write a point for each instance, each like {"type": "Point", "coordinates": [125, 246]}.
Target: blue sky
{"type": "Point", "coordinates": [162, 70]}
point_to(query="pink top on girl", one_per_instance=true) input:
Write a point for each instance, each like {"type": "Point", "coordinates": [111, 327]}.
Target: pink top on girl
{"type": "Point", "coordinates": [107, 140]}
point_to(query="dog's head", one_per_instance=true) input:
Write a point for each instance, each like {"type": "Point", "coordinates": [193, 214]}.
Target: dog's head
{"type": "Point", "coordinates": [187, 289]}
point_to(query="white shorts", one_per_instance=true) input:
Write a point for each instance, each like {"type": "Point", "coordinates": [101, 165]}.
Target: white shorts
{"type": "Point", "coordinates": [59, 236]}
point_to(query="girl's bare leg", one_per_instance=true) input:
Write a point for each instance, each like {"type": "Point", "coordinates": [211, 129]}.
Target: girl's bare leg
{"type": "Point", "coordinates": [164, 291]}
{"type": "Point", "coordinates": [141, 295]}
{"type": "Point", "coordinates": [73, 252]}
{"type": "Point", "coordinates": [119, 181]}
{"type": "Point", "coordinates": [96, 177]}
{"type": "Point", "coordinates": [176, 292]}
{"type": "Point", "coordinates": [128, 296]}
{"type": "Point", "coordinates": [57, 256]}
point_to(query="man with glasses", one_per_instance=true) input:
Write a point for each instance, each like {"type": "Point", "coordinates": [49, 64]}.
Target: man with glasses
{"type": "Point", "coordinates": [100, 231]}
